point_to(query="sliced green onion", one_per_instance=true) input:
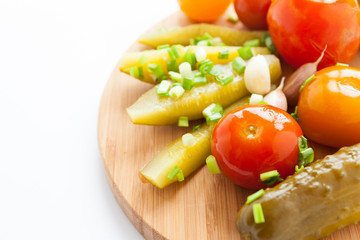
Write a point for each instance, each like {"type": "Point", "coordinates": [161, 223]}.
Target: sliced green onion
{"type": "Point", "coordinates": [269, 178]}
{"type": "Point", "coordinates": [245, 52]}
{"type": "Point", "coordinates": [141, 73]}
{"type": "Point", "coordinates": [163, 89]}
{"type": "Point", "coordinates": [207, 36]}
{"type": "Point", "coordinates": [200, 79]}
{"type": "Point", "coordinates": [200, 54]}
{"type": "Point", "coordinates": [255, 196]}
{"type": "Point", "coordinates": [173, 53]}
{"type": "Point", "coordinates": [306, 82]}
{"type": "Point", "coordinates": [177, 84]}
{"type": "Point", "coordinates": [188, 140]}
{"type": "Point", "coordinates": [163, 46]}
{"type": "Point", "coordinates": [224, 79]}
{"type": "Point", "coordinates": [256, 99]}
{"type": "Point", "coordinates": [188, 83]}
{"type": "Point", "coordinates": [142, 60]}
{"type": "Point", "coordinates": [206, 66]}
{"type": "Point", "coordinates": [183, 121]}
{"type": "Point", "coordinates": [185, 69]}
{"type": "Point", "coordinates": [266, 39]}
{"type": "Point", "coordinates": [239, 65]}
{"type": "Point", "coordinates": [172, 66]}
{"type": "Point", "coordinates": [297, 169]}
{"type": "Point", "coordinates": [204, 43]}
{"type": "Point", "coordinates": [212, 165]}
{"type": "Point", "coordinates": [175, 170]}
{"type": "Point", "coordinates": [197, 127]}
{"type": "Point", "coordinates": [233, 17]}
{"type": "Point", "coordinates": [252, 43]}
{"type": "Point", "coordinates": [180, 176]}
{"type": "Point", "coordinates": [306, 154]}
{"type": "Point", "coordinates": [295, 114]}
{"type": "Point", "coordinates": [258, 213]}
{"type": "Point", "coordinates": [134, 72]}
{"type": "Point", "coordinates": [157, 71]}
{"type": "Point", "coordinates": [176, 77]}
{"type": "Point", "coordinates": [223, 54]}
{"type": "Point", "coordinates": [213, 113]}
{"type": "Point", "coordinates": [189, 57]}
{"type": "Point", "coordinates": [176, 91]}
{"type": "Point", "coordinates": [342, 64]}
{"type": "Point", "coordinates": [302, 143]}
{"type": "Point", "coordinates": [215, 72]}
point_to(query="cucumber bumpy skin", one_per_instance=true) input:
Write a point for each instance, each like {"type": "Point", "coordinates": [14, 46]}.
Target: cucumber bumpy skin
{"type": "Point", "coordinates": [311, 204]}
{"type": "Point", "coordinates": [188, 159]}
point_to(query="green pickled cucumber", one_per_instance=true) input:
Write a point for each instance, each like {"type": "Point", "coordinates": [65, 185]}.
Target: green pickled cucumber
{"type": "Point", "coordinates": [161, 57]}
{"type": "Point", "coordinates": [187, 159]}
{"type": "Point", "coordinates": [150, 109]}
{"type": "Point", "coordinates": [183, 35]}
{"type": "Point", "coordinates": [310, 204]}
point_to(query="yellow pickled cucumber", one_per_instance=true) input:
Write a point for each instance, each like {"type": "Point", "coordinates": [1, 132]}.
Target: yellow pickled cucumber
{"type": "Point", "coordinates": [187, 159]}
{"type": "Point", "coordinates": [151, 109]}
{"type": "Point", "coordinates": [161, 57]}
{"type": "Point", "coordinates": [183, 35]}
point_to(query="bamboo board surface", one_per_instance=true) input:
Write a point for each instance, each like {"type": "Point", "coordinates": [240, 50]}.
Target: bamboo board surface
{"type": "Point", "coordinates": [203, 206]}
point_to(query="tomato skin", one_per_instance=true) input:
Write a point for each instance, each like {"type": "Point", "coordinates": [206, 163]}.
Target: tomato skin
{"type": "Point", "coordinates": [301, 29]}
{"type": "Point", "coordinates": [243, 153]}
{"type": "Point", "coordinates": [204, 10]}
{"type": "Point", "coordinates": [329, 107]}
{"type": "Point", "coordinates": [253, 13]}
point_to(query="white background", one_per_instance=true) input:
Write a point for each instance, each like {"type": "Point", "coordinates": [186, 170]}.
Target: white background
{"type": "Point", "coordinates": [55, 59]}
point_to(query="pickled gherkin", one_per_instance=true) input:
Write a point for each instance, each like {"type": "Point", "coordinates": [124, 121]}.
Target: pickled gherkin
{"type": "Point", "coordinates": [150, 109]}
{"type": "Point", "coordinates": [183, 35]}
{"type": "Point", "coordinates": [187, 159]}
{"type": "Point", "coordinates": [161, 57]}
{"type": "Point", "coordinates": [311, 204]}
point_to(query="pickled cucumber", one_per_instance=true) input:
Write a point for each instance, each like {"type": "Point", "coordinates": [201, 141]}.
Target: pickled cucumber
{"type": "Point", "coordinates": [151, 109]}
{"type": "Point", "coordinates": [311, 204]}
{"type": "Point", "coordinates": [188, 159]}
{"type": "Point", "coordinates": [183, 35]}
{"type": "Point", "coordinates": [161, 57]}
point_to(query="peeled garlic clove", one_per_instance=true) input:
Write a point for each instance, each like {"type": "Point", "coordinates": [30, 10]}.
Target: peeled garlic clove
{"type": "Point", "coordinates": [257, 75]}
{"type": "Point", "coordinates": [277, 97]}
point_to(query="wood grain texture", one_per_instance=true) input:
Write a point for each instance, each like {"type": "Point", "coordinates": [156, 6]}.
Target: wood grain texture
{"type": "Point", "coordinates": [201, 207]}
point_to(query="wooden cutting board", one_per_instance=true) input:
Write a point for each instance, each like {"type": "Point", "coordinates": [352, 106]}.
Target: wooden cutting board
{"type": "Point", "coordinates": [203, 206]}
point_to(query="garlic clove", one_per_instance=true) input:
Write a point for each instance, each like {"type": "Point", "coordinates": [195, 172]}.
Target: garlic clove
{"type": "Point", "coordinates": [257, 75]}
{"type": "Point", "coordinates": [277, 97]}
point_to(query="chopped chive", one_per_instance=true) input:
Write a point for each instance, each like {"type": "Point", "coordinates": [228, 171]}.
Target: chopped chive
{"type": "Point", "coordinates": [188, 83]}
{"type": "Point", "coordinates": [176, 77]}
{"type": "Point", "coordinates": [206, 66]}
{"type": "Point", "coordinates": [255, 196]}
{"type": "Point", "coordinates": [200, 54]}
{"type": "Point", "coordinates": [342, 64]}
{"type": "Point", "coordinates": [163, 89]}
{"type": "Point", "coordinates": [224, 80]}
{"type": "Point", "coordinates": [197, 127]}
{"type": "Point", "coordinates": [239, 65]}
{"type": "Point", "coordinates": [295, 114]}
{"type": "Point", "coordinates": [142, 60]}
{"type": "Point", "coordinates": [176, 91]}
{"type": "Point", "coordinates": [172, 66]}
{"type": "Point", "coordinates": [157, 71]}
{"type": "Point", "coordinates": [180, 176]}
{"type": "Point", "coordinates": [212, 165]}
{"type": "Point", "coordinates": [223, 54]}
{"type": "Point", "coordinates": [245, 52]}
{"type": "Point", "coordinates": [163, 46]}
{"type": "Point", "coordinates": [258, 213]}
{"type": "Point", "coordinates": [297, 169]}
{"type": "Point", "coordinates": [266, 39]}
{"type": "Point", "coordinates": [252, 43]}
{"type": "Point", "coordinates": [200, 79]}
{"type": "Point", "coordinates": [183, 121]}
{"type": "Point", "coordinates": [175, 170]}
{"type": "Point", "coordinates": [188, 140]}
{"type": "Point", "coordinates": [306, 82]}
{"type": "Point", "coordinates": [134, 72]}
{"type": "Point", "coordinates": [269, 178]}
{"type": "Point", "coordinates": [173, 53]}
